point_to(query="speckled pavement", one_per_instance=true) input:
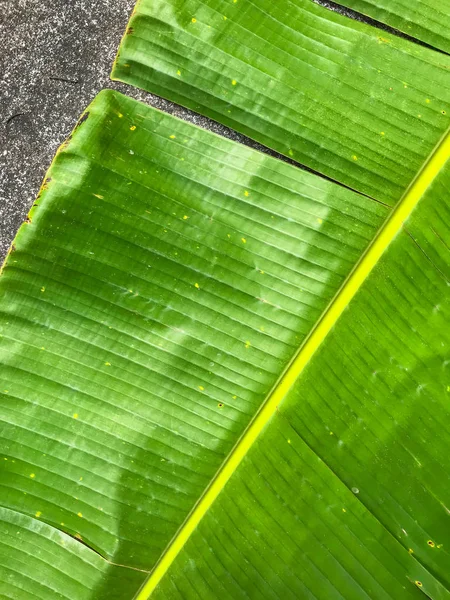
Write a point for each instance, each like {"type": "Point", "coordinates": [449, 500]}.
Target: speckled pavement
{"type": "Point", "coordinates": [55, 56]}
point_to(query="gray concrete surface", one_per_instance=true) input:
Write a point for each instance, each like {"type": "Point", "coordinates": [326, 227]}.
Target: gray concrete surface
{"type": "Point", "coordinates": [55, 55]}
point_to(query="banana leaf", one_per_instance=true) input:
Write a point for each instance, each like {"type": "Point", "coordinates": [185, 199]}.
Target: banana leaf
{"type": "Point", "coordinates": [352, 102]}
{"type": "Point", "coordinates": [162, 282]}
{"type": "Point", "coordinates": [225, 377]}
{"type": "Point", "coordinates": [425, 20]}
{"type": "Point", "coordinates": [346, 492]}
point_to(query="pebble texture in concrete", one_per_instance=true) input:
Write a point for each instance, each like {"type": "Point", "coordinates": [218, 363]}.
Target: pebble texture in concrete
{"type": "Point", "coordinates": [56, 56]}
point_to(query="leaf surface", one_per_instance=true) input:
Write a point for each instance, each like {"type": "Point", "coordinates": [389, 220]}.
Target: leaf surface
{"type": "Point", "coordinates": [163, 281]}
{"type": "Point", "coordinates": [346, 492]}
{"type": "Point", "coordinates": [425, 20]}
{"type": "Point", "coordinates": [357, 104]}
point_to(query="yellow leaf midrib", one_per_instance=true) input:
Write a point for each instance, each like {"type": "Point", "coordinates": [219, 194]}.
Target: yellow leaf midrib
{"type": "Point", "coordinates": [328, 319]}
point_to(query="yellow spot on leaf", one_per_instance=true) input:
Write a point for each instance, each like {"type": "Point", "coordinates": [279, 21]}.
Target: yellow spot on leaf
{"type": "Point", "coordinates": [331, 433]}
{"type": "Point", "coordinates": [382, 133]}
{"type": "Point", "coordinates": [80, 514]}
{"type": "Point", "coordinates": [81, 479]}
{"type": "Point", "coordinates": [75, 415]}
{"type": "Point", "coordinates": [194, 20]}
{"type": "Point", "coordinates": [197, 286]}
{"type": "Point", "coordinates": [289, 441]}
{"type": "Point", "coordinates": [98, 196]}
{"type": "Point", "coordinates": [247, 344]}
{"type": "Point", "coordinates": [201, 388]}
{"type": "Point", "coordinates": [32, 475]}
{"type": "Point", "coordinates": [428, 101]}
{"type": "Point", "coordinates": [172, 137]}
{"type": "Point", "coordinates": [344, 510]}
{"type": "Point", "coordinates": [246, 194]}
{"type": "Point", "coordinates": [120, 115]}
{"type": "Point", "coordinates": [354, 157]}
{"type": "Point", "coordinates": [179, 73]}
{"type": "Point", "coordinates": [107, 364]}
{"type": "Point", "coordinates": [224, 18]}
{"type": "Point", "coordinates": [38, 514]}
{"type": "Point", "coordinates": [262, 272]}
{"type": "Point", "coordinates": [411, 551]}
{"type": "Point", "coordinates": [244, 241]}
{"type": "Point", "coordinates": [234, 397]}
{"type": "Point", "coordinates": [133, 128]}
{"type": "Point", "coordinates": [185, 217]}
{"type": "Point", "coordinates": [291, 152]}
{"type": "Point", "coordinates": [42, 289]}
{"type": "Point", "coordinates": [233, 82]}
{"type": "Point", "coordinates": [320, 221]}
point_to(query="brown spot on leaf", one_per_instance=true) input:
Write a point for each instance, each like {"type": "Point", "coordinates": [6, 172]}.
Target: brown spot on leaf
{"type": "Point", "coordinates": [82, 119]}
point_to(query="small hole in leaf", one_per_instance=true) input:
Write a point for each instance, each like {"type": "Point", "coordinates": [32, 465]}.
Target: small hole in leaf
{"type": "Point", "coordinates": [220, 405]}
{"type": "Point", "coordinates": [419, 583]}
{"type": "Point", "coordinates": [430, 543]}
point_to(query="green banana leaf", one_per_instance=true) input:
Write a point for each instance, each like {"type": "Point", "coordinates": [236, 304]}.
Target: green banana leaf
{"type": "Point", "coordinates": [346, 493]}
{"type": "Point", "coordinates": [425, 20]}
{"type": "Point", "coordinates": [352, 102]}
{"type": "Point", "coordinates": [206, 389]}
{"type": "Point", "coordinates": [162, 283]}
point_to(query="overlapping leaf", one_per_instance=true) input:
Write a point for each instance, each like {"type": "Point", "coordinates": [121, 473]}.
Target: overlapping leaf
{"type": "Point", "coordinates": [350, 101]}
{"type": "Point", "coordinates": [426, 20]}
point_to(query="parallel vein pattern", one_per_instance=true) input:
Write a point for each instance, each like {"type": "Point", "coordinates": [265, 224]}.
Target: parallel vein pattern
{"type": "Point", "coordinates": [426, 20]}
{"type": "Point", "coordinates": [162, 283]}
{"type": "Point", "coordinates": [38, 561]}
{"type": "Point", "coordinates": [346, 493]}
{"type": "Point", "coordinates": [359, 105]}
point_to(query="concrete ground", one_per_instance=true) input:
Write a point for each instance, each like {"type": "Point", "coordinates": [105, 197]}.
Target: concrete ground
{"type": "Point", "coordinates": [55, 56]}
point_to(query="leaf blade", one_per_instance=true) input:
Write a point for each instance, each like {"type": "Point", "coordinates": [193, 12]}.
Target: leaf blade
{"type": "Point", "coordinates": [426, 21]}
{"type": "Point", "coordinates": [351, 463]}
{"type": "Point", "coordinates": [362, 108]}
{"type": "Point", "coordinates": [113, 412]}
